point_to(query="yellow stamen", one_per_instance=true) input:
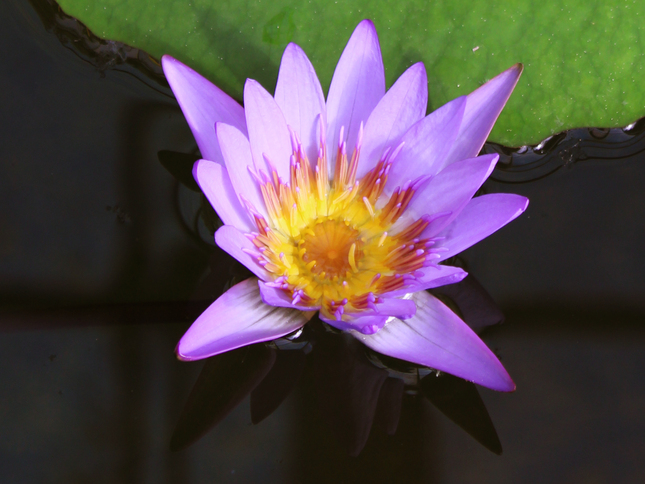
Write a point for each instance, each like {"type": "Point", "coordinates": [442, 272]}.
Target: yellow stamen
{"type": "Point", "coordinates": [369, 207]}
{"type": "Point", "coordinates": [351, 258]}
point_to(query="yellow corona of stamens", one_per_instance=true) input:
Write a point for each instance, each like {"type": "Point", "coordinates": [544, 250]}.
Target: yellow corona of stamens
{"type": "Point", "coordinates": [326, 242]}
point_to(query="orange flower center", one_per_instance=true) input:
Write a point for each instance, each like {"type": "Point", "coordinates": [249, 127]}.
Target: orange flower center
{"type": "Point", "coordinates": [334, 246]}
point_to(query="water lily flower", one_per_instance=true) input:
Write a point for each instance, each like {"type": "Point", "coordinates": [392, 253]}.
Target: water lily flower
{"type": "Point", "coordinates": [347, 207]}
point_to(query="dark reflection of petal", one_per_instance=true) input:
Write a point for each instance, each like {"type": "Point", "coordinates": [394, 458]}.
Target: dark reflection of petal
{"type": "Point", "coordinates": [223, 383]}
{"type": "Point", "coordinates": [277, 385]}
{"type": "Point", "coordinates": [180, 165]}
{"type": "Point", "coordinates": [388, 409]}
{"type": "Point", "coordinates": [348, 388]}
{"type": "Point", "coordinates": [459, 400]}
{"type": "Point", "coordinates": [476, 307]}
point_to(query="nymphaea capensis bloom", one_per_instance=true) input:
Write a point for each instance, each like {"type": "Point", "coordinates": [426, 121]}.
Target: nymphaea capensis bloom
{"type": "Point", "coordinates": [348, 206]}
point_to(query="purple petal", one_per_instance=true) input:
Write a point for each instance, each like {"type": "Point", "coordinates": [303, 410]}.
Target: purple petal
{"type": "Point", "coordinates": [235, 243]}
{"type": "Point", "coordinates": [214, 181]}
{"type": "Point", "coordinates": [435, 220]}
{"type": "Point", "coordinates": [452, 189]}
{"type": "Point", "coordinates": [480, 218]}
{"type": "Point", "coordinates": [482, 109]}
{"type": "Point", "coordinates": [356, 88]}
{"type": "Point", "coordinates": [300, 97]}
{"type": "Point", "coordinates": [433, 276]}
{"type": "Point", "coordinates": [268, 131]}
{"type": "Point", "coordinates": [203, 104]}
{"type": "Point", "coordinates": [402, 106]}
{"type": "Point", "coordinates": [363, 324]}
{"type": "Point", "coordinates": [437, 338]}
{"type": "Point", "coordinates": [398, 308]}
{"type": "Point", "coordinates": [370, 321]}
{"type": "Point", "coordinates": [238, 318]}
{"type": "Point", "coordinates": [427, 143]}
{"type": "Point", "coordinates": [237, 157]}
{"type": "Point", "coordinates": [436, 276]}
{"type": "Point", "coordinates": [279, 298]}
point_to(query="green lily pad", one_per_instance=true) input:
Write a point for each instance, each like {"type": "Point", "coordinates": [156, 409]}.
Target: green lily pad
{"type": "Point", "coordinates": [582, 58]}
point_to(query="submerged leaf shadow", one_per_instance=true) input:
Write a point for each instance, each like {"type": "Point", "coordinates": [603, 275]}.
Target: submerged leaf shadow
{"type": "Point", "coordinates": [222, 384]}
{"type": "Point", "coordinates": [348, 388]}
{"type": "Point", "coordinates": [277, 385]}
{"type": "Point", "coordinates": [459, 400]}
{"type": "Point", "coordinates": [472, 303]}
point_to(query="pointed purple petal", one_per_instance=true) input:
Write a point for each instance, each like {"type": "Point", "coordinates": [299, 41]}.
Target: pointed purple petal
{"type": "Point", "coordinates": [452, 189]}
{"type": "Point", "coordinates": [238, 318]}
{"type": "Point", "coordinates": [427, 143]}
{"type": "Point", "coordinates": [279, 298]}
{"type": "Point", "coordinates": [268, 131]}
{"type": "Point", "coordinates": [356, 88]}
{"type": "Point", "coordinates": [234, 242]}
{"type": "Point", "coordinates": [433, 276]}
{"type": "Point", "coordinates": [402, 106]}
{"type": "Point", "coordinates": [480, 218]}
{"type": "Point", "coordinates": [203, 104]}
{"type": "Point", "coordinates": [237, 157]}
{"type": "Point", "coordinates": [482, 109]}
{"type": "Point", "coordinates": [214, 181]}
{"type": "Point", "coordinates": [437, 338]}
{"type": "Point", "coordinates": [300, 97]}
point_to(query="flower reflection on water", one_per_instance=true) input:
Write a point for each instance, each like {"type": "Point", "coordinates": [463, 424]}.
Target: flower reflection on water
{"type": "Point", "coordinates": [347, 207]}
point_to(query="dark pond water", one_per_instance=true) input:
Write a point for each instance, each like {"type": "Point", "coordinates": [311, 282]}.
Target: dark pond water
{"type": "Point", "coordinates": [105, 260]}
